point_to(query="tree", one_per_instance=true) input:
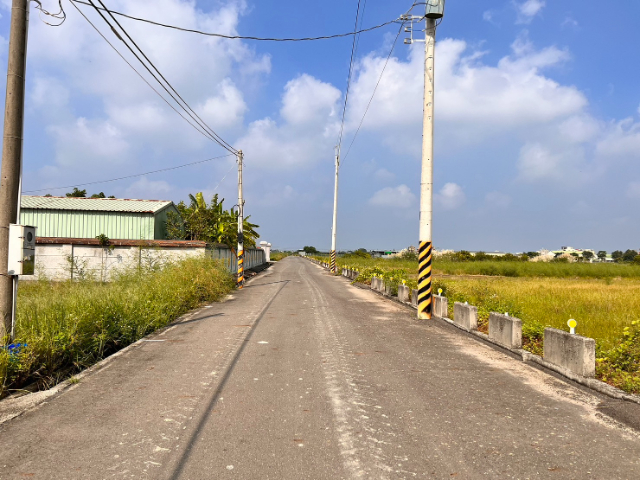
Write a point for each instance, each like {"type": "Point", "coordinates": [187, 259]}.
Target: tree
{"type": "Point", "coordinates": [209, 223]}
{"type": "Point", "coordinates": [481, 256]}
{"type": "Point", "coordinates": [462, 256]}
{"type": "Point", "coordinates": [617, 255]}
{"type": "Point", "coordinates": [77, 193]}
{"type": "Point", "coordinates": [629, 255]}
{"type": "Point", "coordinates": [636, 260]}
{"type": "Point", "coordinates": [602, 255]}
{"type": "Point", "coordinates": [310, 250]}
{"type": "Point", "coordinates": [587, 255]}
{"type": "Point", "coordinates": [532, 254]}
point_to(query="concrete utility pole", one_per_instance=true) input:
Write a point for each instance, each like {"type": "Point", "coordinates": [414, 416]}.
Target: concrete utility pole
{"type": "Point", "coordinates": [10, 175]}
{"type": "Point", "coordinates": [333, 266]}
{"type": "Point", "coordinates": [240, 251]}
{"type": "Point", "coordinates": [434, 11]}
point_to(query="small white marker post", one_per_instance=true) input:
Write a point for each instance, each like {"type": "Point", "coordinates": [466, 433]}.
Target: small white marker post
{"type": "Point", "coordinates": [572, 324]}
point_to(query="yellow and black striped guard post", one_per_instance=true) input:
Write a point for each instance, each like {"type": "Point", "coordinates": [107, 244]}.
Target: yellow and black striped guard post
{"type": "Point", "coordinates": [333, 261]}
{"type": "Point", "coordinates": [240, 268]}
{"type": "Point", "coordinates": [425, 301]}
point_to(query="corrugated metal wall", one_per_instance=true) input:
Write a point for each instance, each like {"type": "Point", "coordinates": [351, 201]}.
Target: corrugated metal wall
{"type": "Point", "coordinates": [253, 257]}
{"type": "Point", "coordinates": [70, 224]}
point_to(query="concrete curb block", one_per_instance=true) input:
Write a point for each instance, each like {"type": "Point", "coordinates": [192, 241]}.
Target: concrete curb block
{"type": "Point", "coordinates": [505, 330]}
{"type": "Point", "coordinates": [572, 352]}
{"type": "Point", "coordinates": [465, 315]}
{"type": "Point", "coordinates": [403, 293]}
{"type": "Point", "coordinates": [528, 357]}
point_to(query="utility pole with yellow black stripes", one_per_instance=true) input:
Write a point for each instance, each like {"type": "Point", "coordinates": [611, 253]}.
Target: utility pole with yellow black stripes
{"type": "Point", "coordinates": [333, 266]}
{"type": "Point", "coordinates": [240, 251]}
{"type": "Point", "coordinates": [434, 12]}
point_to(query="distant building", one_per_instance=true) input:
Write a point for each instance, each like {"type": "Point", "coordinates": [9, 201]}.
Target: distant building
{"type": "Point", "coordinates": [73, 217]}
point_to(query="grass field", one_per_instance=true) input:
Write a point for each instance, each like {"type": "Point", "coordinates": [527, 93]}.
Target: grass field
{"type": "Point", "coordinates": [69, 326]}
{"type": "Point", "coordinates": [603, 298]}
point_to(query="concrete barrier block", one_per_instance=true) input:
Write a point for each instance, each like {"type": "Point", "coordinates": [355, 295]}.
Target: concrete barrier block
{"type": "Point", "coordinates": [381, 285]}
{"type": "Point", "coordinates": [388, 289]}
{"type": "Point", "coordinates": [573, 352]}
{"type": "Point", "coordinates": [465, 315]}
{"type": "Point", "coordinates": [440, 306]}
{"type": "Point", "coordinates": [414, 298]}
{"type": "Point", "coordinates": [374, 283]}
{"type": "Point", "coordinates": [403, 293]}
{"type": "Point", "coordinates": [505, 330]}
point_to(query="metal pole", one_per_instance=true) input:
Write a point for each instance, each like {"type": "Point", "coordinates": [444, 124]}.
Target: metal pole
{"type": "Point", "coordinates": [425, 300]}
{"type": "Point", "coordinates": [334, 229]}
{"type": "Point", "coordinates": [240, 251]}
{"type": "Point", "coordinates": [12, 153]}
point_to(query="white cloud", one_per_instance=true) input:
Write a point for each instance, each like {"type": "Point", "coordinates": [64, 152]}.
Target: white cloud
{"type": "Point", "coordinates": [497, 200]}
{"type": "Point", "coordinates": [145, 188]}
{"type": "Point", "coordinates": [279, 196]}
{"type": "Point", "coordinates": [475, 99]}
{"type": "Point", "coordinates": [384, 175]}
{"type": "Point", "coordinates": [579, 128]}
{"type": "Point", "coordinates": [487, 16]}
{"type": "Point", "coordinates": [49, 93]}
{"type": "Point", "coordinates": [225, 109]}
{"type": "Point", "coordinates": [451, 196]}
{"type": "Point", "coordinates": [633, 190]}
{"type": "Point", "coordinates": [569, 21]}
{"type": "Point", "coordinates": [86, 144]}
{"type": "Point", "coordinates": [528, 9]}
{"type": "Point", "coordinates": [397, 197]}
{"type": "Point", "coordinates": [621, 139]}
{"type": "Point", "coordinates": [536, 162]}
{"type": "Point", "coordinates": [307, 133]}
{"type": "Point", "coordinates": [81, 62]}
{"type": "Point", "coordinates": [309, 101]}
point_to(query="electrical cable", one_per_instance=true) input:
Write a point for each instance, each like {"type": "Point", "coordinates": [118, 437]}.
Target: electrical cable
{"type": "Point", "coordinates": [393, 46]}
{"type": "Point", "coordinates": [374, 91]}
{"type": "Point", "coordinates": [61, 15]}
{"type": "Point", "coordinates": [188, 110]}
{"type": "Point", "coordinates": [346, 97]}
{"type": "Point", "coordinates": [242, 37]}
{"type": "Point", "coordinates": [133, 176]}
{"type": "Point", "coordinates": [51, 200]}
{"type": "Point", "coordinates": [197, 128]}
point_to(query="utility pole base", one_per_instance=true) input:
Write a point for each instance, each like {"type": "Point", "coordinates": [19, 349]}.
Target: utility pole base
{"type": "Point", "coordinates": [334, 267]}
{"type": "Point", "coordinates": [425, 299]}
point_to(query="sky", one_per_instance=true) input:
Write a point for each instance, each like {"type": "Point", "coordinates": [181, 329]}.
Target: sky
{"type": "Point", "coordinates": [537, 118]}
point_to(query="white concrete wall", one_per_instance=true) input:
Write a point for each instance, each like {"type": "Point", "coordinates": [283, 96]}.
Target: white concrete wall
{"type": "Point", "coordinates": [55, 261]}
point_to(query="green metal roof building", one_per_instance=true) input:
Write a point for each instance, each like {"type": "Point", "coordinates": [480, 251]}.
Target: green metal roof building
{"type": "Point", "coordinates": [69, 217]}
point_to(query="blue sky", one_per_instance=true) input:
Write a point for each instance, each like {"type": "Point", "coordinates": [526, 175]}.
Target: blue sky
{"type": "Point", "coordinates": [537, 119]}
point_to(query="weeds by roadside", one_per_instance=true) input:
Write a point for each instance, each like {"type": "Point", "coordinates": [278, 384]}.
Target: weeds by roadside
{"type": "Point", "coordinates": [69, 326]}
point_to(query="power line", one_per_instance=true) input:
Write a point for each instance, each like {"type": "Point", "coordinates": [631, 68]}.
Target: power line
{"type": "Point", "coordinates": [241, 37]}
{"type": "Point", "coordinates": [198, 128]}
{"type": "Point", "coordinates": [135, 175]}
{"type": "Point", "coordinates": [374, 91]}
{"type": "Point", "coordinates": [199, 120]}
{"type": "Point", "coordinates": [346, 97]}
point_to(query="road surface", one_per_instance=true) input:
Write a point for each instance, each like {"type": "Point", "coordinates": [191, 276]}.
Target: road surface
{"type": "Point", "coordinates": [304, 376]}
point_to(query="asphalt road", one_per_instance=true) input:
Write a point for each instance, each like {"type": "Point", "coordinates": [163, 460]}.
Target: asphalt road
{"type": "Point", "coordinates": [304, 376]}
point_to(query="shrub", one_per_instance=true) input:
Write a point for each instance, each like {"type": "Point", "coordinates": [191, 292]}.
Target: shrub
{"type": "Point", "coordinates": [69, 326]}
